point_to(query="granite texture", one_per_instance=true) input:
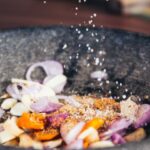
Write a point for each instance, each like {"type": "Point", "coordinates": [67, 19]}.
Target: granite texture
{"type": "Point", "coordinates": [125, 57]}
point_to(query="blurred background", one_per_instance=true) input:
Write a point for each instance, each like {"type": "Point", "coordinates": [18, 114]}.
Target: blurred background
{"type": "Point", "coordinates": [130, 15]}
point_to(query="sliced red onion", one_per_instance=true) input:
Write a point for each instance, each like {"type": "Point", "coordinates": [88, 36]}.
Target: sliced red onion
{"type": "Point", "coordinates": [50, 67]}
{"type": "Point", "coordinates": [73, 133]}
{"type": "Point", "coordinates": [57, 120]}
{"type": "Point", "coordinates": [99, 75]}
{"type": "Point", "coordinates": [78, 144]}
{"type": "Point", "coordinates": [13, 91]}
{"type": "Point", "coordinates": [70, 100]}
{"type": "Point", "coordinates": [117, 139]}
{"type": "Point", "coordinates": [118, 126]}
{"type": "Point", "coordinates": [32, 90]}
{"type": "Point", "coordinates": [44, 105]}
{"type": "Point", "coordinates": [143, 116]}
{"type": "Point", "coordinates": [38, 91]}
{"type": "Point", "coordinates": [17, 90]}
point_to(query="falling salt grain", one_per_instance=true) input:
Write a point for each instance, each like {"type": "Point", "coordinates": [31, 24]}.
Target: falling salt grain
{"type": "Point", "coordinates": [87, 29]}
{"type": "Point", "coordinates": [64, 46]}
{"type": "Point", "coordinates": [88, 65]}
{"type": "Point", "coordinates": [87, 45]}
{"type": "Point", "coordinates": [100, 63]}
{"type": "Point", "coordinates": [92, 50]}
{"type": "Point", "coordinates": [76, 8]}
{"type": "Point", "coordinates": [104, 70]}
{"type": "Point", "coordinates": [80, 36]}
{"type": "Point", "coordinates": [79, 32]}
{"type": "Point", "coordinates": [77, 57]}
{"type": "Point", "coordinates": [99, 79]}
{"type": "Point", "coordinates": [90, 21]}
{"type": "Point", "coordinates": [101, 84]}
{"type": "Point", "coordinates": [99, 75]}
{"type": "Point", "coordinates": [44, 2]}
{"type": "Point", "coordinates": [70, 57]}
{"type": "Point", "coordinates": [107, 81]}
{"type": "Point", "coordinates": [120, 84]}
{"type": "Point", "coordinates": [97, 40]}
{"type": "Point", "coordinates": [96, 61]}
{"type": "Point", "coordinates": [124, 96]}
{"type": "Point", "coordinates": [76, 29]}
{"type": "Point", "coordinates": [92, 34]}
{"type": "Point", "coordinates": [109, 92]}
{"type": "Point", "coordinates": [94, 14]}
{"type": "Point", "coordinates": [117, 82]}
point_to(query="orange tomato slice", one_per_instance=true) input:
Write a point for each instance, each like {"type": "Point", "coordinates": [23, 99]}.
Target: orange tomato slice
{"type": "Point", "coordinates": [31, 121]}
{"type": "Point", "coordinates": [47, 134]}
{"type": "Point", "coordinates": [95, 123]}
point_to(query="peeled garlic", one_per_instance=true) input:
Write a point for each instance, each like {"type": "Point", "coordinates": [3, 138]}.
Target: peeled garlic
{"type": "Point", "coordinates": [27, 101]}
{"type": "Point", "coordinates": [26, 141]}
{"type": "Point", "coordinates": [53, 144]}
{"type": "Point", "coordinates": [101, 144]}
{"type": "Point", "coordinates": [57, 83]}
{"type": "Point", "coordinates": [11, 130]}
{"type": "Point", "coordinates": [8, 103]}
{"type": "Point", "coordinates": [46, 92]}
{"type": "Point", "coordinates": [13, 142]}
{"type": "Point", "coordinates": [18, 109]}
{"type": "Point", "coordinates": [90, 135]}
{"type": "Point", "coordinates": [11, 126]}
{"type": "Point", "coordinates": [6, 136]}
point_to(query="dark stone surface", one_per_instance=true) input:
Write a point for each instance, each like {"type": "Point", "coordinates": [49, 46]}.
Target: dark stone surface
{"type": "Point", "coordinates": [126, 59]}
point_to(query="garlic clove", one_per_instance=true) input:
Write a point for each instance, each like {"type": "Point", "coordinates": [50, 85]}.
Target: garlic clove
{"type": "Point", "coordinates": [26, 141]}
{"type": "Point", "coordinates": [18, 109]}
{"type": "Point", "coordinates": [101, 144]}
{"type": "Point", "coordinates": [57, 83]}
{"type": "Point", "coordinates": [53, 143]}
{"type": "Point", "coordinates": [8, 103]}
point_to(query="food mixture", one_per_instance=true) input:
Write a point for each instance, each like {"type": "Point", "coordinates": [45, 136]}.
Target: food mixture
{"type": "Point", "coordinates": [34, 114]}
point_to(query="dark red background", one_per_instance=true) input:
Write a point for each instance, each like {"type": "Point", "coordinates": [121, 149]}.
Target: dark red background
{"type": "Point", "coordinates": [23, 13]}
